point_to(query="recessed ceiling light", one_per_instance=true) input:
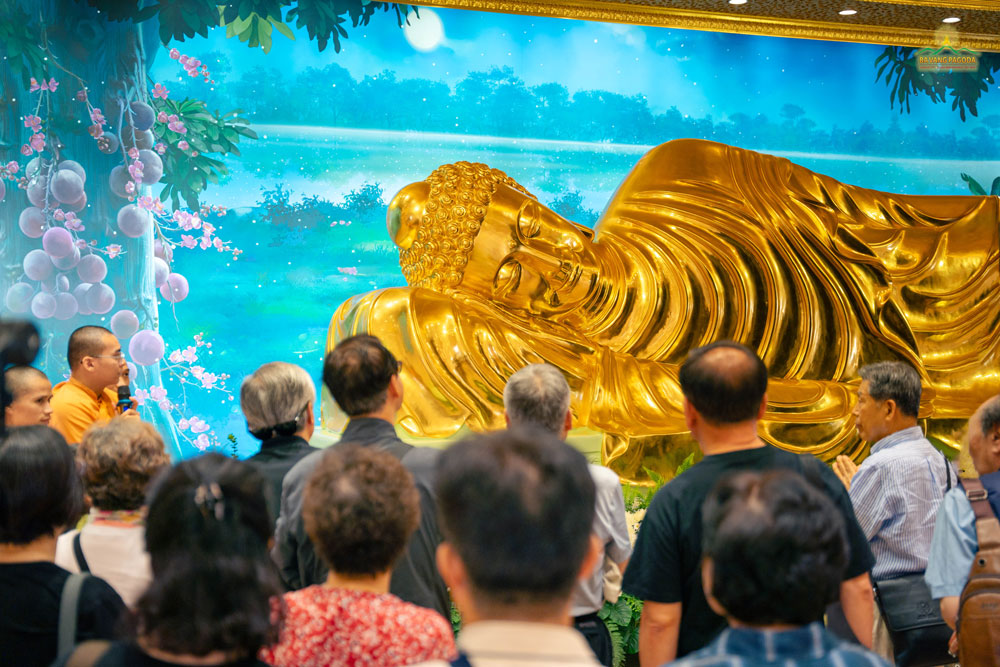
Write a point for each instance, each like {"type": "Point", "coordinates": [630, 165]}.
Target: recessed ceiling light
{"type": "Point", "coordinates": [737, 2]}
{"type": "Point", "coordinates": [848, 12]}
{"type": "Point", "coordinates": [951, 19]}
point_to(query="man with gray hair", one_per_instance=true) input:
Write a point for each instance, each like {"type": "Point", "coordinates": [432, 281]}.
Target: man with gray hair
{"type": "Point", "coordinates": [277, 401]}
{"type": "Point", "coordinates": [897, 489]}
{"type": "Point", "coordinates": [539, 396]}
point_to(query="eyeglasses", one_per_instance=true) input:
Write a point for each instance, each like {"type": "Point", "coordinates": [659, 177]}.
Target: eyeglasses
{"type": "Point", "coordinates": [117, 355]}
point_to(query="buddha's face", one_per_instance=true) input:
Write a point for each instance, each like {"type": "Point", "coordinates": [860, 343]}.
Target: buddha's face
{"type": "Point", "coordinates": [529, 258]}
{"type": "Point", "coordinates": [523, 256]}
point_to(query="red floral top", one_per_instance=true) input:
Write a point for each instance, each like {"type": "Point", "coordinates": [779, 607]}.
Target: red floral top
{"type": "Point", "coordinates": [339, 627]}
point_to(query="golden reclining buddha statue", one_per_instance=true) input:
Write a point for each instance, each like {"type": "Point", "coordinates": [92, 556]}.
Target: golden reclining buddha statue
{"type": "Point", "coordinates": [701, 242]}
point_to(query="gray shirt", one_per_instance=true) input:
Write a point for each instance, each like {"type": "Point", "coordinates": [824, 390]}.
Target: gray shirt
{"type": "Point", "coordinates": [415, 577]}
{"type": "Point", "coordinates": [611, 529]}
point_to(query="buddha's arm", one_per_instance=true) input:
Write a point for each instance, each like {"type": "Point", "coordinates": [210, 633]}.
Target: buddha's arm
{"type": "Point", "coordinates": [457, 355]}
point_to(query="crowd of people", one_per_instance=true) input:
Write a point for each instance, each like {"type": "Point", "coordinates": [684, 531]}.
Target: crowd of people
{"type": "Point", "coordinates": [360, 553]}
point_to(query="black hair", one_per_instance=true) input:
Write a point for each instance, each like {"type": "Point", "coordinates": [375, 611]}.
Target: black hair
{"type": "Point", "coordinates": [40, 487]}
{"type": "Point", "coordinates": [517, 506]}
{"type": "Point", "coordinates": [213, 580]}
{"type": "Point", "coordinates": [895, 380]}
{"type": "Point", "coordinates": [725, 388]}
{"type": "Point", "coordinates": [357, 372]}
{"type": "Point", "coordinates": [86, 341]}
{"type": "Point", "coordinates": [778, 548]}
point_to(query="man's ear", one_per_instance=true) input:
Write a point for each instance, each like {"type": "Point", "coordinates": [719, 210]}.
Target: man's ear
{"type": "Point", "coordinates": [395, 390]}
{"type": "Point", "coordinates": [890, 408]}
{"type": "Point", "coordinates": [690, 416]}
{"type": "Point", "coordinates": [451, 567]}
{"type": "Point", "coordinates": [310, 415]}
{"type": "Point", "coordinates": [762, 410]}
{"type": "Point", "coordinates": [506, 418]}
{"type": "Point", "coordinates": [595, 551]}
{"type": "Point", "coordinates": [707, 577]}
{"type": "Point", "coordinates": [568, 422]}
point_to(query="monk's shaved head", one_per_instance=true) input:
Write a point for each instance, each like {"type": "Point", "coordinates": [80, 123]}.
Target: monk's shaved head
{"type": "Point", "coordinates": [19, 378]}
{"type": "Point", "coordinates": [86, 342]}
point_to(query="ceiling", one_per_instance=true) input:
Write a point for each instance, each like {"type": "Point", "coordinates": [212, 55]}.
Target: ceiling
{"type": "Point", "coordinates": [898, 22]}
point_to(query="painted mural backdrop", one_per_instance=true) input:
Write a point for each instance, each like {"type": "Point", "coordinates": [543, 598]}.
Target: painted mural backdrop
{"type": "Point", "coordinates": [292, 223]}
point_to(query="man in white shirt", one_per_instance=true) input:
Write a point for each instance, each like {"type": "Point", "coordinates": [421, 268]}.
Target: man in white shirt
{"type": "Point", "coordinates": [538, 396]}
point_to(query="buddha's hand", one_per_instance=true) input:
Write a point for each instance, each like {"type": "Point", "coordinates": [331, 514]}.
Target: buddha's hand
{"type": "Point", "coordinates": [845, 469]}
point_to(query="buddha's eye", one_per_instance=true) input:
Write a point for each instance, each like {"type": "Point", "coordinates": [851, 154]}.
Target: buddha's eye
{"type": "Point", "coordinates": [528, 224]}
{"type": "Point", "coordinates": [507, 278]}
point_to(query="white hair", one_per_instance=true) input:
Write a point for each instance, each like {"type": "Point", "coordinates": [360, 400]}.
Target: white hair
{"type": "Point", "coordinates": [277, 393]}
{"type": "Point", "coordinates": [537, 395]}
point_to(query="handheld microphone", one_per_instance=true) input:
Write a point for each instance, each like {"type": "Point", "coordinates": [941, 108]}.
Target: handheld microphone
{"type": "Point", "coordinates": [124, 398]}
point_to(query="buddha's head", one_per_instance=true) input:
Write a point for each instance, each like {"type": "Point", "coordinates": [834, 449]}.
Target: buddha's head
{"type": "Point", "coordinates": [473, 229]}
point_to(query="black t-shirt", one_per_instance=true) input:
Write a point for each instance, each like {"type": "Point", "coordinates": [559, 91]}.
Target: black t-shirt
{"type": "Point", "coordinates": [666, 563]}
{"type": "Point", "coordinates": [29, 612]}
{"type": "Point", "coordinates": [127, 654]}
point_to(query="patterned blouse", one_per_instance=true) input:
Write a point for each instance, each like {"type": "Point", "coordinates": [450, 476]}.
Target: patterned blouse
{"type": "Point", "coordinates": [335, 626]}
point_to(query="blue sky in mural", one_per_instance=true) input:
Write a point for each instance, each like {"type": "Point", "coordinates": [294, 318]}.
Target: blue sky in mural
{"type": "Point", "coordinates": [700, 73]}
{"type": "Point", "coordinates": [578, 105]}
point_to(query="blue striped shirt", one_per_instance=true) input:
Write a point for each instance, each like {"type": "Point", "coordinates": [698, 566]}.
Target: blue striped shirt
{"type": "Point", "coordinates": [896, 493]}
{"type": "Point", "coordinates": [808, 646]}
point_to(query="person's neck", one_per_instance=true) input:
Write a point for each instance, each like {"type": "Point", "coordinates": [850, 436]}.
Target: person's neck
{"type": "Point", "coordinates": [305, 433]}
{"type": "Point", "coordinates": [40, 549]}
{"type": "Point", "coordinates": [213, 658]}
{"type": "Point", "coordinates": [88, 383]}
{"type": "Point", "coordinates": [523, 613]}
{"type": "Point", "coordinates": [376, 583]}
{"type": "Point", "coordinates": [386, 413]}
{"type": "Point", "coordinates": [898, 425]}
{"type": "Point", "coordinates": [722, 440]}
{"type": "Point", "coordinates": [777, 627]}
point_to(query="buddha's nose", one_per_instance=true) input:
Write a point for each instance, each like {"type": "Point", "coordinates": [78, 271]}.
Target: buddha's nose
{"type": "Point", "coordinates": [406, 212]}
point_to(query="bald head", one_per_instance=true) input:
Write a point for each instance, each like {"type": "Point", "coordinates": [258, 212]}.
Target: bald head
{"type": "Point", "coordinates": [86, 341]}
{"type": "Point", "coordinates": [725, 382]}
{"type": "Point", "coordinates": [18, 379]}
{"type": "Point", "coordinates": [30, 392]}
{"type": "Point", "coordinates": [984, 437]}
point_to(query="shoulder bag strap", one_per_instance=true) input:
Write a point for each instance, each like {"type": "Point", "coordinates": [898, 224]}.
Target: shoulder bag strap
{"type": "Point", "coordinates": [69, 605]}
{"type": "Point", "coordinates": [78, 551]}
{"type": "Point", "coordinates": [947, 471]}
{"type": "Point", "coordinates": [987, 526]}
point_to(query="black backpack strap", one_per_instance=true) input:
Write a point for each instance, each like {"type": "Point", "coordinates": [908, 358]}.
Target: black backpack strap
{"type": "Point", "coordinates": [947, 471]}
{"type": "Point", "coordinates": [69, 604]}
{"type": "Point", "coordinates": [78, 551]}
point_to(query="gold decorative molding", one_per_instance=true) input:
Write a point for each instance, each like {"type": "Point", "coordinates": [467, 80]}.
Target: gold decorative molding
{"type": "Point", "coordinates": [894, 26]}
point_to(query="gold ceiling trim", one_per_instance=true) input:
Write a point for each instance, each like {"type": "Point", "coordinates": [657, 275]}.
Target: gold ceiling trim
{"type": "Point", "coordinates": [980, 5]}
{"type": "Point", "coordinates": [616, 12]}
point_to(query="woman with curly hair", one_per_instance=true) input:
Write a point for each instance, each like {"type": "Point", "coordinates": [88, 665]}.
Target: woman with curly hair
{"type": "Point", "coordinates": [118, 459]}
{"type": "Point", "coordinates": [360, 509]}
{"type": "Point", "coordinates": [214, 595]}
